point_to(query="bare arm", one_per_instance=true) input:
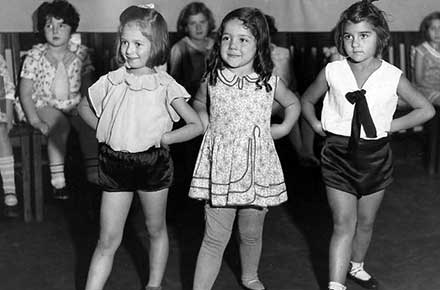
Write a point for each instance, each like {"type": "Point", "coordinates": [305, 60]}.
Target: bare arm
{"type": "Point", "coordinates": [292, 108]}
{"type": "Point", "coordinates": [422, 108]}
{"type": "Point", "coordinates": [418, 68]}
{"type": "Point", "coordinates": [200, 103]}
{"type": "Point", "coordinates": [192, 128]}
{"type": "Point", "coordinates": [29, 106]}
{"type": "Point", "coordinates": [310, 97]}
{"type": "Point", "coordinates": [87, 114]}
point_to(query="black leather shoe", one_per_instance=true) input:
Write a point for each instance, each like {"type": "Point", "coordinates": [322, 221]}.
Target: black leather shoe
{"type": "Point", "coordinates": [11, 211]}
{"type": "Point", "coordinates": [367, 284]}
{"type": "Point", "coordinates": [60, 193]}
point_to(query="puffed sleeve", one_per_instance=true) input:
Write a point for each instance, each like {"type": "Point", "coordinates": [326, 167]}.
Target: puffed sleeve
{"type": "Point", "coordinates": [29, 69]}
{"type": "Point", "coordinates": [7, 82]}
{"type": "Point", "coordinates": [174, 91]}
{"type": "Point", "coordinates": [87, 65]}
{"type": "Point", "coordinates": [98, 94]}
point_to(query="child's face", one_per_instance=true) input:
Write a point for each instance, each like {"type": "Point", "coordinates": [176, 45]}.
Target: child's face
{"type": "Point", "coordinates": [238, 47]}
{"type": "Point", "coordinates": [197, 27]}
{"type": "Point", "coordinates": [135, 48]}
{"type": "Point", "coordinates": [434, 31]}
{"type": "Point", "coordinates": [360, 41]}
{"type": "Point", "coordinates": [57, 32]}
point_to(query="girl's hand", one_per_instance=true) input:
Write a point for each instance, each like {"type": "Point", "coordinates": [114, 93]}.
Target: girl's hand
{"type": "Point", "coordinates": [278, 131]}
{"type": "Point", "coordinates": [42, 127]}
{"type": "Point", "coordinates": [164, 141]}
{"type": "Point", "coordinates": [317, 127]}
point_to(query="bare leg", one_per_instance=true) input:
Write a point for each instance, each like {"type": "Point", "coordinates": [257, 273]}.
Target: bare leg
{"type": "Point", "coordinates": [154, 206]}
{"type": "Point", "coordinates": [59, 128]}
{"type": "Point", "coordinates": [343, 206]}
{"type": "Point", "coordinates": [114, 210]}
{"type": "Point", "coordinates": [367, 210]}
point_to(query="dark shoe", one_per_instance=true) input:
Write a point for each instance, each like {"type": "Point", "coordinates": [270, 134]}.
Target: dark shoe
{"type": "Point", "coordinates": [11, 211]}
{"type": "Point", "coordinates": [367, 284]}
{"type": "Point", "coordinates": [60, 193]}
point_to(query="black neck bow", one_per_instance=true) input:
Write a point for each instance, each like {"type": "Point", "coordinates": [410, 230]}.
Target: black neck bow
{"type": "Point", "coordinates": [361, 116]}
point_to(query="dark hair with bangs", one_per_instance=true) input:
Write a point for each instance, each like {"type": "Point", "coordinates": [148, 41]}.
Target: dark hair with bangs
{"type": "Point", "coordinates": [153, 26]}
{"type": "Point", "coordinates": [426, 23]}
{"type": "Point", "coordinates": [254, 20]}
{"type": "Point", "coordinates": [59, 9]}
{"type": "Point", "coordinates": [191, 9]}
{"type": "Point", "coordinates": [364, 11]}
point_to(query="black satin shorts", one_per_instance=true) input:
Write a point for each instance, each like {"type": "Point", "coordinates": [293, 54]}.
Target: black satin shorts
{"type": "Point", "coordinates": [367, 170]}
{"type": "Point", "coordinates": [150, 170]}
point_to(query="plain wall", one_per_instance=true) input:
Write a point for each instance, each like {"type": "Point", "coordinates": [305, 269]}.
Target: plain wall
{"type": "Point", "coordinates": [291, 15]}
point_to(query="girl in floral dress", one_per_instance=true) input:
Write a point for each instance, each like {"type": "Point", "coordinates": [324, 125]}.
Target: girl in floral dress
{"type": "Point", "coordinates": [237, 170]}
{"type": "Point", "coordinates": [54, 78]}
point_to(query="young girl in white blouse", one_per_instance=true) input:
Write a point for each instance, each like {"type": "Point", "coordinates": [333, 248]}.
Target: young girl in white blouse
{"type": "Point", "coordinates": [357, 116]}
{"type": "Point", "coordinates": [133, 109]}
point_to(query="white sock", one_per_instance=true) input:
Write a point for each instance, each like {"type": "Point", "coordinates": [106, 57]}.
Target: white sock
{"type": "Point", "coordinates": [357, 270]}
{"type": "Point", "coordinates": [336, 286]}
{"type": "Point", "coordinates": [57, 175]}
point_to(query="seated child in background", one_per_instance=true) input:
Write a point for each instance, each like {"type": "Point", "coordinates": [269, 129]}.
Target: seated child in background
{"type": "Point", "coordinates": [54, 78]}
{"type": "Point", "coordinates": [7, 95]}
{"type": "Point", "coordinates": [187, 62]}
{"type": "Point", "coordinates": [425, 59]}
{"type": "Point", "coordinates": [301, 136]}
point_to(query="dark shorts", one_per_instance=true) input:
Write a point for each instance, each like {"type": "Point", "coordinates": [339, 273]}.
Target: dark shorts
{"type": "Point", "coordinates": [367, 171]}
{"type": "Point", "coordinates": [149, 170]}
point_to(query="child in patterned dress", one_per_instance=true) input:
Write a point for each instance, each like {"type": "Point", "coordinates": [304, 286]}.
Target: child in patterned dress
{"type": "Point", "coordinates": [426, 59]}
{"type": "Point", "coordinates": [133, 109]}
{"type": "Point", "coordinates": [7, 96]}
{"type": "Point", "coordinates": [54, 78]}
{"type": "Point", "coordinates": [238, 172]}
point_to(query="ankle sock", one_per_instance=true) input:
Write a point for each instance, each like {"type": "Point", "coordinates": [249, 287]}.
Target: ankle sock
{"type": "Point", "coordinates": [8, 175]}
{"type": "Point", "coordinates": [336, 286]}
{"type": "Point", "coordinates": [57, 175]}
{"type": "Point", "coordinates": [254, 284]}
{"type": "Point", "coordinates": [357, 270]}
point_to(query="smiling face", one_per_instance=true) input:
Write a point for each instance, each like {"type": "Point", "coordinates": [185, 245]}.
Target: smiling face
{"type": "Point", "coordinates": [135, 48]}
{"type": "Point", "coordinates": [360, 41]}
{"type": "Point", "coordinates": [197, 26]}
{"type": "Point", "coordinates": [238, 47]}
{"type": "Point", "coordinates": [56, 32]}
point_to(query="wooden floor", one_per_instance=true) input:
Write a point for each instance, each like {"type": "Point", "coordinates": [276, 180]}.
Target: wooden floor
{"type": "Point", "coordinates": [404, 254]}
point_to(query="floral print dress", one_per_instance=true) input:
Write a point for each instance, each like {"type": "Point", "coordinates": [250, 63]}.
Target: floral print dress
{"type": "Point", "coordinates": [45, 71]}
{"type": "Point", "coordinates": [7, 89]}
{"type": "Point", "coordinates": [237, 163]}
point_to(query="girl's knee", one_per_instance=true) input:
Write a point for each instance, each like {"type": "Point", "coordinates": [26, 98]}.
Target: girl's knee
{"type": "Point", "coordinates": [156, 229]}
{"type": "Point", "coordinates": [344, 224]}
{"type": "Point", "coordinates": [109, 242]}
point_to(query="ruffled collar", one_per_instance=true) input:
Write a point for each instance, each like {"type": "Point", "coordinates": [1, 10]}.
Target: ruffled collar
{"type": "Point", "coordinates": [231, 79]}
{"type": "Point", "coordinates": [148, 82]}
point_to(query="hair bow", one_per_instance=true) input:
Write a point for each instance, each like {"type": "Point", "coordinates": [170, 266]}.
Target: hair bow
{"type": "Point", "coordinates": [147, 6]}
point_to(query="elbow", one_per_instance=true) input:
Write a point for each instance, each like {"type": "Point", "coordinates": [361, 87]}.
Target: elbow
{"type": "Point", "coordinates": [430, 112]}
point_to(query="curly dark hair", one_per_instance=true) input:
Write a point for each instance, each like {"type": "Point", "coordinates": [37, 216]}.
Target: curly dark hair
{"type": "Point", "coordinates": [59, 9]}
{"type": "Point", "coordinates": [153, 26]}
{"type": "Point", "coordinates": [364, 11]}
{"type": "Point", "coordinates": [426, 22]}
{"type": "Point", "coordinates": [254, 20]}
{"type": "Point", "coordinates": [194, 8]}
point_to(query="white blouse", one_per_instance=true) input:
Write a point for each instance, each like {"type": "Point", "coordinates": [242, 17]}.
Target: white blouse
{"type": "Point", "coordinates": [381, 96]}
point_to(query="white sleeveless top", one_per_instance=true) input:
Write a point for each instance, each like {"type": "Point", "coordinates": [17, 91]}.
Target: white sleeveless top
{"type": "Point", "coordinates": [381, 96]}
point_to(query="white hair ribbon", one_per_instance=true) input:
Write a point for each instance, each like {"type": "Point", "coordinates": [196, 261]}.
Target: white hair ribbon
{"type": "Point", "coordinates": [147, 6]}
